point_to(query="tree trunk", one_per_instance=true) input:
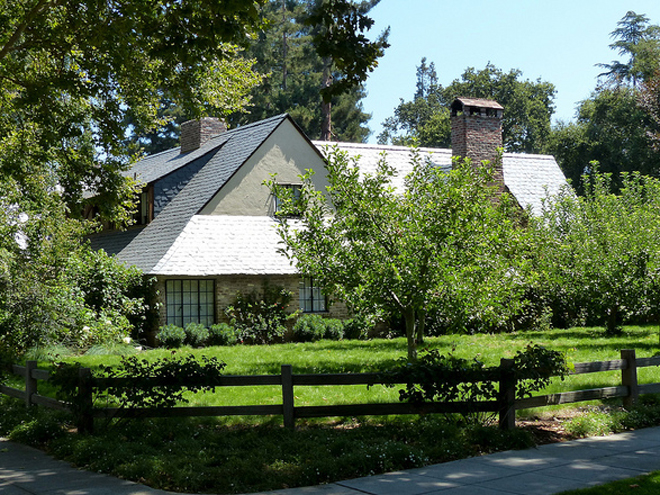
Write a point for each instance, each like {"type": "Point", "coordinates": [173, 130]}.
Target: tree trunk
{"type": "Point", "coordinates": [326, 107]}
{"type": "Point", "coordinates": [612, 322]}
{"type": "Point", "coordinates": [409, 315]}
{"type": "Point", "coordinates": [421, 326]}
{"type": "Point", "coordinates": [285, 47]}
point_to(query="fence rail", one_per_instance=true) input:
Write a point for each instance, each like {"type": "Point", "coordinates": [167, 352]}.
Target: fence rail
{"type": "Point", "coordinates": [505, 406]}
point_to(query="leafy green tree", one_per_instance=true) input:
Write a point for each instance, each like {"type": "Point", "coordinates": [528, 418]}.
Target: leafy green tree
{"type": "Point", "coordinates": [347, 54]}
{"type": "Point", "coordinates": [72, 70]}
{"type": "Point", "coordinates": [285, 53]}
{"type": "Point", "coordinates": [442, 244]}
{"type": "Point", "coordinates": [599, 252]}
{"type": "Point", "coordinates": [640, 42]}
{"type": "Point", "coordinates": [612, 129]}
{"type": "Point", "coordinates": [528, 108]}
{"type": "Point", "coordinates": [71, 73]}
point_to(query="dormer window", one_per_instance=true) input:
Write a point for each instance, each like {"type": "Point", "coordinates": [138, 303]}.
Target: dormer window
{"type": "Point", "coordinates": [295, 194]}
{"type": "Point", "coordinates": [143, 215]}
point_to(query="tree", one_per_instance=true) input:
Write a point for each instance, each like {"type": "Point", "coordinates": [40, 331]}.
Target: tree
{"type": "Point", "coordinates": [615, 125]}
{"type": "Point", "coordinates": [599, 252]}
{"type": "Point", "coordinates": [528, 107]}
{"type": "Point", "coordinates": [640, 42]}
{"type": "Point", "coordinates": [284, 51]}
{"type": "Point", "coordinates": [71, 73]}
{"type": "Point", "coordinates": [443, 244]}
{"type": "Point", "coordinates": [347, 54]}
{"type": "Point", "coordinates": [610, 129]}
{"type": "Point", "coordinates": [71, 70]}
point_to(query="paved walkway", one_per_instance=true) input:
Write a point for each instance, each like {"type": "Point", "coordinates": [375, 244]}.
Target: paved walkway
{"type": "Point", "coordinates": [539, 471]}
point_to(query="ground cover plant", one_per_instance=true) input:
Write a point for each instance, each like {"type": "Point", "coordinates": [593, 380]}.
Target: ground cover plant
{"type": "Point", "coordinates": [241, 454]}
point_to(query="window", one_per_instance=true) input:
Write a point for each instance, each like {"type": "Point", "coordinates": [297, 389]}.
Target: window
{"type": "Point", "coordinates": [190, 301]}
{"type": "Point", "coordinates": [295, 191]}
{"type": "Point", "coordinates": [142, 215]}
{"type": "Point", "coordinates": [312, 299]}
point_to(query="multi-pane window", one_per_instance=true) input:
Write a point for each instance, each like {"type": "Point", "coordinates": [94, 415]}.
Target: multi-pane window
{"type": "Point", "coordinates": [190, 301]}
{"type": "Point", "coordinates": [312, 299]}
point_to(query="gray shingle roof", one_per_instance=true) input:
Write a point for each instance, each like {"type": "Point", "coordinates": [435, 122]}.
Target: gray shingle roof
{"type": "Point", "coordinates": [529, 178]}
{"type": "Point", "coordinates": [226, 154]}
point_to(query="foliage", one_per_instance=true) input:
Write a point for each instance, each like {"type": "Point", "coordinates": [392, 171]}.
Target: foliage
{"type": "Point", "coordinates": [616, 124]}
{"type": "Point", "coordinates": [611, 129]}
{"type": "Point", "coordinates": [146, 384]}
{"type": "Point", "coordinates": [598, 253]}
{"type": "Point", "coordinates": [535, 366]}
{"type": "Point", "coordinates": [339, 27]}
{"type": "Point", "coordinates": [357, 328]}
{"type": "Point", "coordinates": [638, 40]}
{"type": "Point", "coordinates": [171, 336]}
{"type": "Point", "coordinates": [294, 72]}
{"type": "Point", "coordinates": [74, 296]}
{"type": "Point", "coordinates": [334, 329]}
{"type": "Point", "coordinates": [649, 101]}
{"type": "Point", "coordinates": [72, 72]}
{"type": "Point", "coordinates": [312, 328]}
{"type": "Point", "coordinates": [528, 106]}
{"type": "Point", "coordinates": [443, 243]}
{"type": "Point", "coordinates": [260, 318]}
{"type": "Point", "coordinates": [222, 334]}
{"type": "Point", "coordinates": [309, 328]}
{"type": "Point", "coordinates": [196, 334]}
{"type": "Point", "coordinates": [436, 377]}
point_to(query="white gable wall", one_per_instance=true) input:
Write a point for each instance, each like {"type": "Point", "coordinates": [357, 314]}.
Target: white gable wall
{"type": "Point", "coordinates": [287, 153]}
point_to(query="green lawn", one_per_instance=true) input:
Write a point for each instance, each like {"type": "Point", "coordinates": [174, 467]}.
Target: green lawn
{"type": "Point", "coordinates": [578, 344]}
{"type": "Point", "coordinates": [242, 455]}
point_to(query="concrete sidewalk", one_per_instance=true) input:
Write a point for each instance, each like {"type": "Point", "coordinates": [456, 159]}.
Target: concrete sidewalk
{"type": "Point", "coordinates": [539, 471]}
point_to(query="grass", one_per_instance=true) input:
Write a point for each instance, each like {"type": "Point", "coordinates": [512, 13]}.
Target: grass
{"type": "Point", "coordinates": [642, 485]}
{"type": "Point", "coordinates": [239, 455]}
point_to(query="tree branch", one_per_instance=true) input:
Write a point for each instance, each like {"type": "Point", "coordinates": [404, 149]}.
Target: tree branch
{"type": "Point", "coordinates": [34, 12]}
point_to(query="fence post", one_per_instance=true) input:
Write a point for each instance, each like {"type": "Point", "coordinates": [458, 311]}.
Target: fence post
{"type": "Point", "coordinates": [30, 382]}
{"type": "Point", "coordinates": [507, 395]}
{"type": "Point", "coordinates": [85, 404]}
{"type": "Point", "coordinates": [287, 396]}
{"type": "Point", "coordinates": [629, 378]}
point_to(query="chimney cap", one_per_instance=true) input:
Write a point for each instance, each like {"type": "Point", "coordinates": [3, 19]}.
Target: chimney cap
{"type": "Point", "coordinates": [462, 104]}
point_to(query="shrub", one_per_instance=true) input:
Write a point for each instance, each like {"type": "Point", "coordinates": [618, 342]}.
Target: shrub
{"type": "Point", "coordinates": [196, 334]}
{"type": "Point", "coordinates": [222, 334]}
{"type": "Point", "coordinates": [334, 329]}
{"type": "Point", "coordinates": [171, 336]}
{"type": "Point", "coordinates": [356, 329]}
{"type": "Point", "coordinates": [261, 318]}
{"type": "Point", "coordinates": [309, 328]}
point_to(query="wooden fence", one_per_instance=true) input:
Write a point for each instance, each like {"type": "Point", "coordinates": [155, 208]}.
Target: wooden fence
{"type": "Point", "coordinates": [505, 405]}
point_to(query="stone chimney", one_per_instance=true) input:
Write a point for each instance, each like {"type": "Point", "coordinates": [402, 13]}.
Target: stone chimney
{"type": "Point", "coordinates": [476, 131]}
{"type": "Point", "coordinates": [194, 133]}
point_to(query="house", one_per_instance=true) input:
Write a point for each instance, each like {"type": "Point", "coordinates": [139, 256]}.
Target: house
{"type": "Point", "coordinates": [205, 226]}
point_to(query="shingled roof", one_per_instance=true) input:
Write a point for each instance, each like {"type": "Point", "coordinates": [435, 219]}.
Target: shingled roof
{"type": "Point", "coordinates": [529, 178]}
{"type": "Point", "coordinates": [223, 155]}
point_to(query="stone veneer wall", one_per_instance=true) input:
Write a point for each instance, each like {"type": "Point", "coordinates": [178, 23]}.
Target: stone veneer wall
{"type": "Point", "coordinates": [227, 287]}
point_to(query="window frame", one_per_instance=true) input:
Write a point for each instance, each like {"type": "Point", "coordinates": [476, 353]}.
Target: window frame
{"type": "Point", "coordinates": [201, 304]}
{"type": "Point", "coordinates": [317, 301]}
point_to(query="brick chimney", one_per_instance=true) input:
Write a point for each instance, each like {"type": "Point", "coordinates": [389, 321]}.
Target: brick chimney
{"type": "Point", "coordinates": [476, 131]}
{"type": "Point", "coordinates": [194, 133]}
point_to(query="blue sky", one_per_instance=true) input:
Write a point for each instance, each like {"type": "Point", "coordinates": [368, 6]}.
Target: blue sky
{"type": "Point", "coordinates": [558, 41]}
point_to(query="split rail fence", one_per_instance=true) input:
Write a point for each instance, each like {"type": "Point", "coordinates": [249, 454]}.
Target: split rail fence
{"type": "Point", "coordinates": [505, 405]}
